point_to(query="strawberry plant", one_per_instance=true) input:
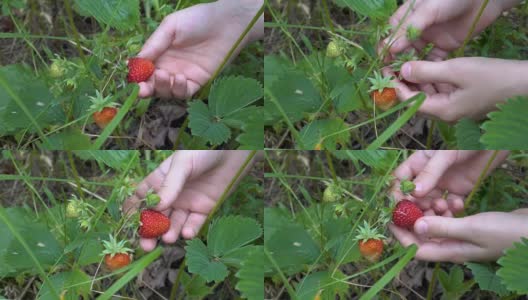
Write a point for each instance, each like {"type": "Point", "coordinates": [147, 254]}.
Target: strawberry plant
{"type": "Point", "coordinates": [325, 87]}
{"type": "Point", "coordinates": [320, 249]}
{"type": "Point", "coordinates": [58, 56]}
{"type": "Point", "coordinates": [64, 232]}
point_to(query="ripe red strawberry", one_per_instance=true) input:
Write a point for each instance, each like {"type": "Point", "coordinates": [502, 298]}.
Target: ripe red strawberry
{"type": "Point", "coordinates": [116, 254]}
{"type": "Point", "coordinates": [117, 261]}
{"type": "Point", "coordinates": [370, 242]}
{"type": "Point", "coordinates": [371, 249]}
{"type": "Point", "coordinates": [382, 91]}
{"type": "Point", "coordinates": [105, 116]}
{"type": "Point", "coordinates": [139, 69]}
{"type": "Point", "coordinates": [406, 213]}
{"type": "Point", "coordinates": [153, 224]}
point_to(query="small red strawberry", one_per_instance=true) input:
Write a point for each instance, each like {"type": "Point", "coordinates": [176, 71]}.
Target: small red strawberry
{"type": "Point", "coordinates": [104, 117]}
{"type": "Point", "coordinates": [139, 69]}
{"type": "Point", "coordinates": [406, 213]}
{"type": "Point", "coordinates": [153, 224]}
{"type": "Point", "coordinates": [383, 91]}
{"type": "Point", "coordinates": [117, 261]}
{"type": "Point", "coordinates": [370, 242]}
{"type": "Point", "coordinates": [116, 255]}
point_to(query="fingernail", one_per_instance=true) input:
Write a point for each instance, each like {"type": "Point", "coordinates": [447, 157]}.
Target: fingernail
{"type": "Point", "coordinates": [406, 70]}
{"type": "Point", "coordinates": [420, 227]}
{"type": "Point", "coordinates": [418, 187]}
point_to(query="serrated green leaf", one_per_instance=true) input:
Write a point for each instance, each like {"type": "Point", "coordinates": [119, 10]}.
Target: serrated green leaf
{"type": "Point", "coordinates": [115, 159]}
{"type": "Point", "coordinates": [295, 94]}
{"type": "Point", "coordinates": [487, 279]}
{"type": "Point", "coordinates": [514, 267]}
{"type": "Point", "coordinates": [199, 262]}
{"type": "Point", "coordinates": [68, 139]}
{"type": "Point", "coordinates": [251, 275]}
{"type": "Point", "coordinates": [274, 67]}
{"type": "Point", "coordinates": [33, 93]}
{"type": "Point", "coordinates": [468, 135]}
{"type": "Point", "coordinates": [229, 233]}
{"type": "Point", "coordinates": [231, 94]}
{"type": "Point", "coordinates": [370, 8]}
{"type": "Point", "coordinates": [120, 14]}
{"type": "Point", "coordinates": [315, 133]}
{"type": "Point", "coordinates": [203, 124]}
{"type": "Point", "coordinates": [506, 128]}
{"type": "Point", "coordinates": [195, 288]}
{"type": "Point", "coordinates": [72, 285]}
{"type": "Point", "coordinates": [380, 160]}
{"type": "Point", "coordinates": [323, 281]}
{"type": "Point", "coordinates": [253, 136]}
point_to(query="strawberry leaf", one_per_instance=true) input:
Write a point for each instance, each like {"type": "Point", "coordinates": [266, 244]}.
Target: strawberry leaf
{"type": "Point", "coordinates": [221, 238]}
{"type": "Point", "coordinates": [76, 283]}
{"type": "Point", "coordinates": [200, 262]}
{"type": "Point", "coordinates": [203, 124]}
{"type": "Point", "coordinates": [468, 135]}
{"type": "Point", "coordinates": [487, 279]}
{"type": "Point", "coordinates": [330, 284]}
{"type": "Point", "coordinates": [250, 283]}
{"type": "Point", "coordinates": [514, 265]}
{"type": "Point", "coordinates": [324, 131]}
{"type": "Point", "coordinates": [377, 9]}
{"type": "Point", "coordinates": [506, 128]}
{"type": "Point", "coordinates": [120, 14]}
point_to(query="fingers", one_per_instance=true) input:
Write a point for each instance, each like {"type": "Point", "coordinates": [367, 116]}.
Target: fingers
{"type": "Point", "coordinates": [433, 170]}
{"type": "Point", "coordinates": [177, 218]}
{"type": "Point", "coordinates": [193, 224]}
{"type": "Point", "coordinates": [160, 40]}
{"type": "Point", "coordinates": [163, 84]}
{"type": "Point", "coordinates": [421, 17]}
{"type": "Point", "coordinates": [427, 72]}
{"type": "Point", "coordinates": [177, 169]}
{"type": "Point", "coordinates": [442, 227]}
{"type": "Point", "coordinates": [179, 87]}
{"type": "Point", "coordinates": [148, 244]}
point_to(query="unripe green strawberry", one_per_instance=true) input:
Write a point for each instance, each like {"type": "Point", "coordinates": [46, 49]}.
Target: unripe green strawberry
{"type": "Point", "coordinates": [152, 199]}
{"type": "Point", "coordinates": [72, 210]}
{"type": "Point", "coordinates": [56, 70]}
{"type": "Point", "coordinates": [333, 50]}
{"type": "Point", "coordinates": [332, 193]}
{"type": "Point", "coordinates": [407, 187]}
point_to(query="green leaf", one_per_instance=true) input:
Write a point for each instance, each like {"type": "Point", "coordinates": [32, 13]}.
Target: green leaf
{"type": "Point", "coordinates": [292, 247]}
{"type": "Point", "coordinates": [231, 94]}
{"type": "Point", "coordinates": [20, 88]}
{"type": "Point", "coordinates": [251, 275]}
{"type": "Point", "coordinates": [325, 131]}
{"type": "Point", "coordinates": [295, 94]}
{"type": "Point", "coordinates": [115, 159]}
{"type": "Point", "coordinates": [275, 219]}
{"type": "Point", "coordinates": [72, 285]}
{"type": "Point", "coordinates": [229, 233]}
{"type": "Point", "coordinates": [253, 136]}
{"type": "Point", "coordinates": [195, 288]}
{"type": "Point", "coordinates": [203, 124]}
{"type": "Point", "coordinates": [120, 14]}
{"type": "Point", "coordinates": [199, 262]}
{"type": "Point", "coordinates": [380, 160]}
{"type": "Point", "coordinates": [274, 67]}
{"type": "Point", "coordinates": [13, 256]}
{"type": "Point", "coordinates": [468, 135]}
{"type": "Point", "coordinates": [378, 9]}
{"type": "Point", "coordinates": [331, 288]}
{"type": "Point", "coordinates": [453, 283]}
{"type": "Point", "coordinates": [68, 139]}
{"type": "Point", "coordinates": [506, 128]}
{"type": "Point", "coordinates": [487, 279]}
{"type": "Point", "coordinates": [514, 267]}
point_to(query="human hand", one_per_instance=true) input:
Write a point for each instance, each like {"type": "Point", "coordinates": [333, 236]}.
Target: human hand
{"type": "Point", "coordinates": [435, 172]}
{"type": "Point", "coordinates": [189, 183]}
{"type": "Point", "coordinates": [461, 87]}
{"type": "Point", "coordinates": [443, 23]}
{"type": "Point", "coordinates": [480, 237]}
{"type": "Point", "coordinates": [191, 44]}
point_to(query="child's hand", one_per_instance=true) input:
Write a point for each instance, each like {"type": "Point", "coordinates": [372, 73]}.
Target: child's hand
{"type": "Point", "coordinates": [462, 87]}
{"type": "Point", "coordinates": [437, 172]}
{"type": "Point", "coordinates": [444, 23]}
{"type": "Point", "coordinates": [189, 46]}
{"type": "Point", "coordinates": [189, 184]}
{"type": "Point", "coordinates": [481, 237]}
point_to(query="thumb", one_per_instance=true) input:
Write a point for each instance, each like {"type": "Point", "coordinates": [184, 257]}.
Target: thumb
{"type": "Point", "coordinates": [427, 72]}
{"type": "Point", "coordinates": [443, 227]}
{"type": "Point", "coordinates": [160, 40]}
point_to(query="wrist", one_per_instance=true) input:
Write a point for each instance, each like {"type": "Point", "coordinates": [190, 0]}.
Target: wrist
{"type": "Point", "coordinates": [242, 12]}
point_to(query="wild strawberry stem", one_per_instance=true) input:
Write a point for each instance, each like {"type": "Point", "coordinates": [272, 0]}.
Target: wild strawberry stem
{"type": "Point", "coordinates": [460, 51]}
{"type": "Point", "coordinates": [479, 180]}
{"type": "Point", "coordinates": [431, 287]}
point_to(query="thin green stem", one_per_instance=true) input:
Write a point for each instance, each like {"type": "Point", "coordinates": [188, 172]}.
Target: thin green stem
{"type": "Point", "coordinates": [429, 142]}
{"type": "Point", "coordinates": [326, 13]}
{"type": "Point", "coordinates": [331, 166]}
{"type": "Point", "coordinates": [75, 174]}
{"type": "Point", "coordinates": [432, 283]}
{"type": "Point", "coordinates": [460, 51]}
{"type": "Point", "coordinates": [480, 179]}
{"type": "Point", "coordinates": [287, 284]}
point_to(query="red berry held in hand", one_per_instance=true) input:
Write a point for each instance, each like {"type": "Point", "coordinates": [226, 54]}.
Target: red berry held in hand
{"type": "Point", "coordinates": [139, 69]}
{"type": "Point", "coordinates": [406, 213]}
{"type": "Point", "coordinates": [153, 224]}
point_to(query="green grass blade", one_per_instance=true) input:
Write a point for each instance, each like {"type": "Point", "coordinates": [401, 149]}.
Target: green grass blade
{"type": "Point", "coordinates": [406, 116]}
{"type": "Point", "coordinates": [117, 119]}
{"type": "Point", "coordinates": [139, 266]}
{"type": "Point", "coordinates": [373, 291]}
